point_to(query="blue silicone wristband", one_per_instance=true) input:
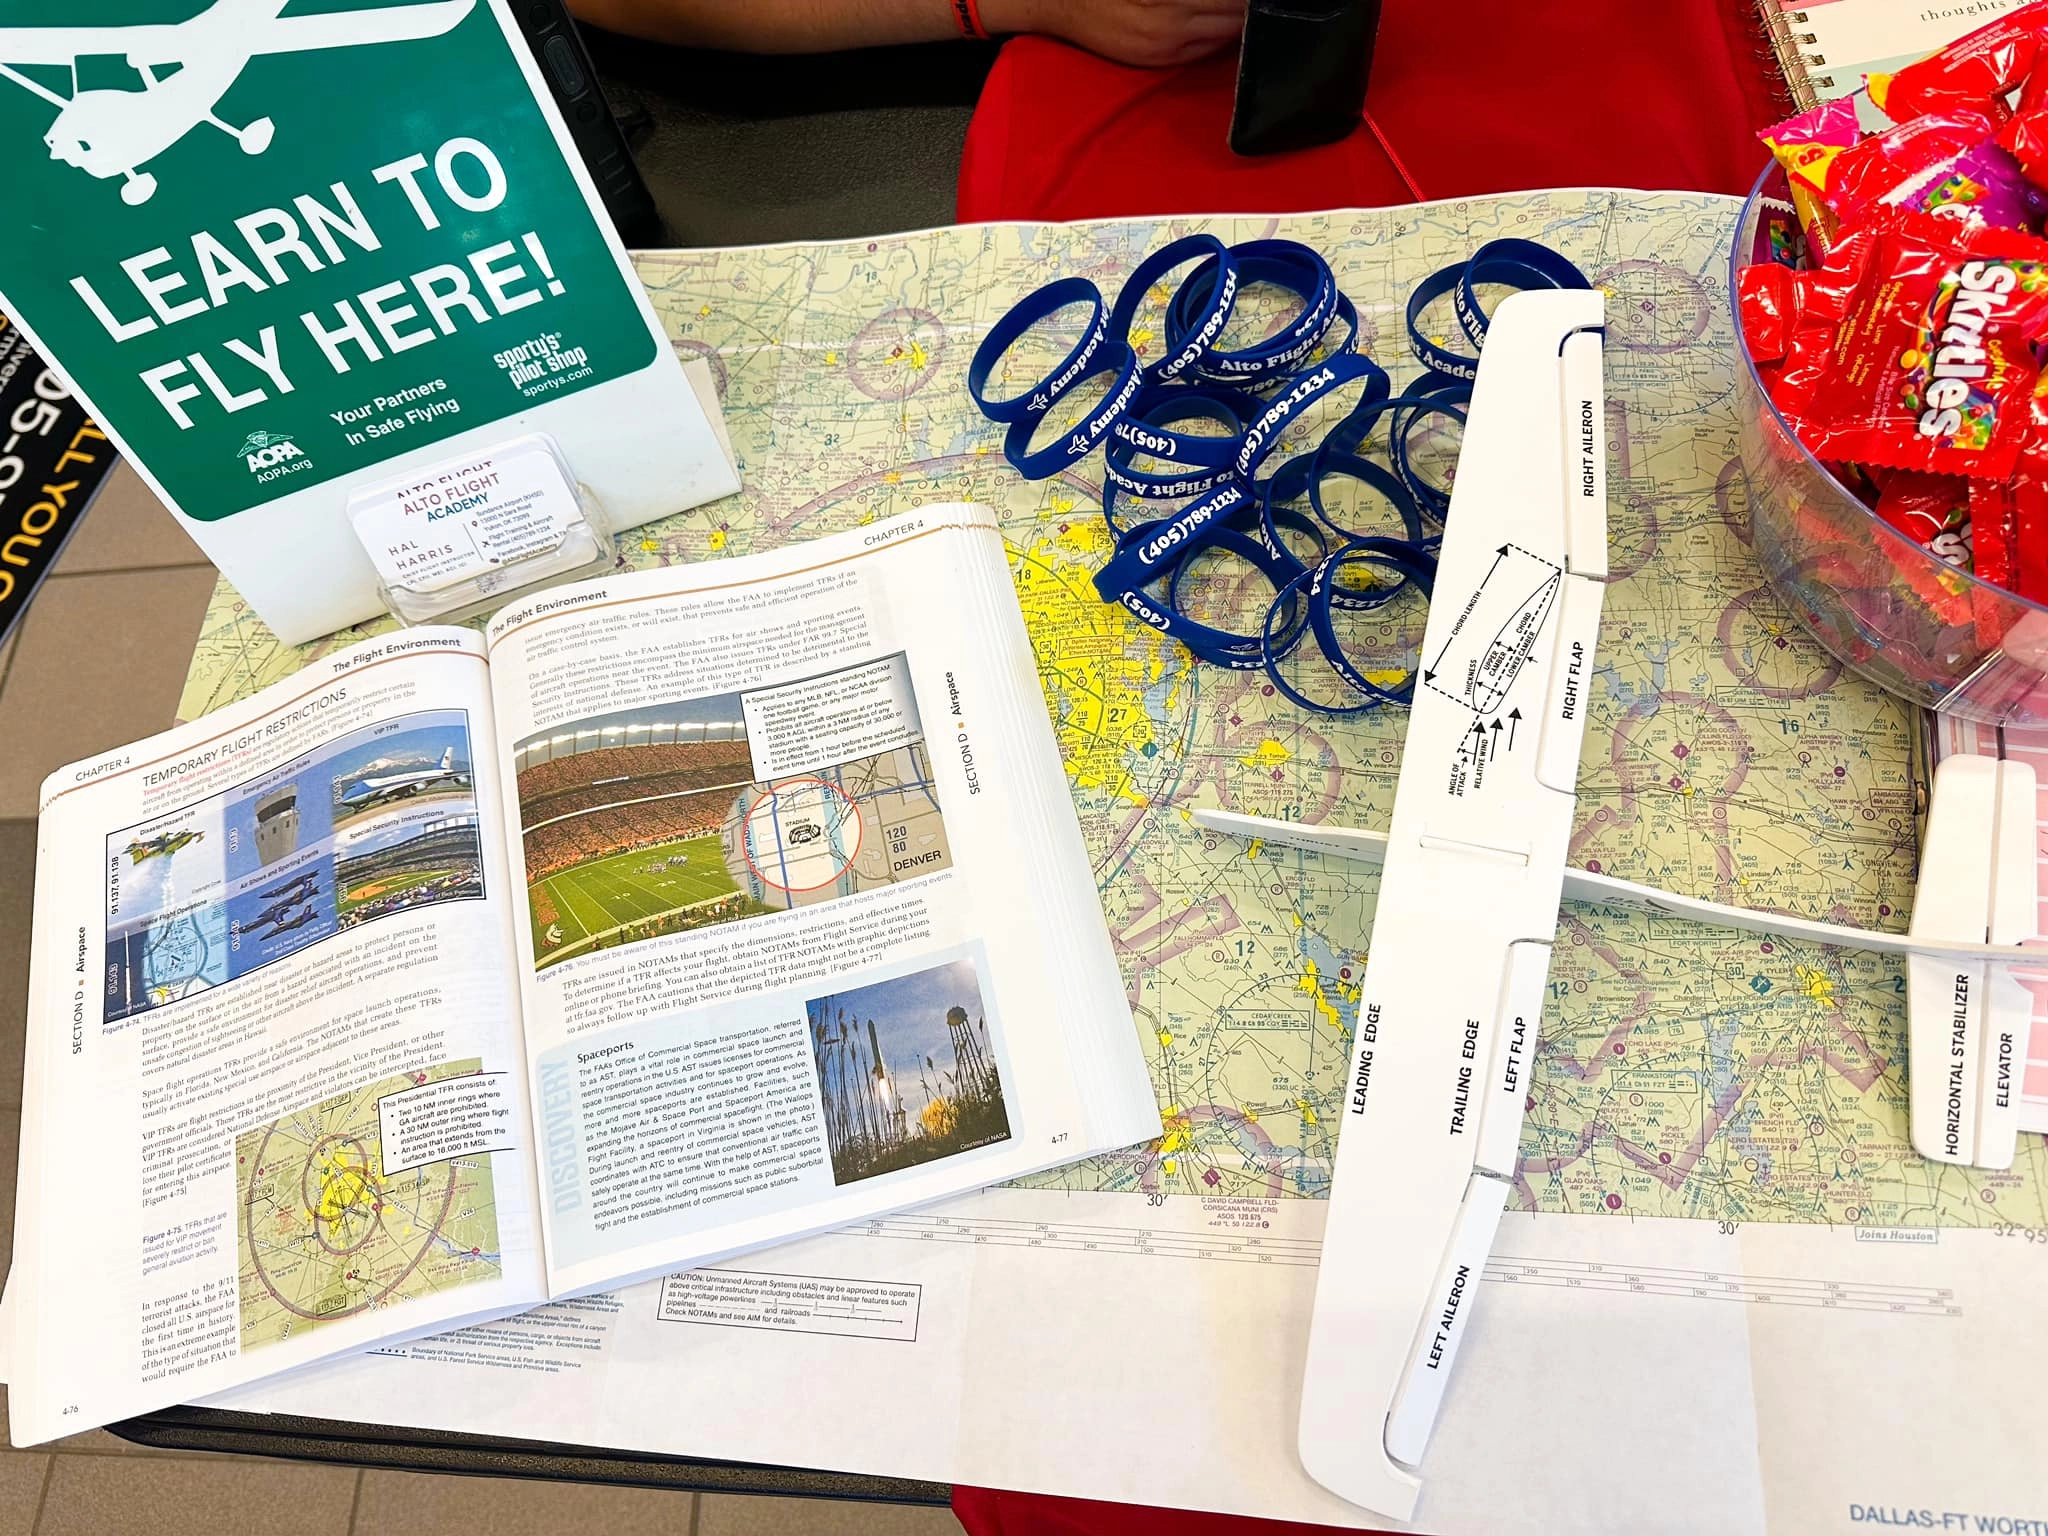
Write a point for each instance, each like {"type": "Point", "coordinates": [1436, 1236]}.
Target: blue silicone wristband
{"type": "Point", "coordinates": [1317, 587]}
{"type": "Point", "coordinates": [1181, 354]}
{"type": "Point", "coordinates": [1515, 264]}
{"type": "Point", "coordinates": [1081, 440]}
{"type": "Point", "coordinates": [1434, 500]}
{"type": "Point", "coordinates": [1280, 563]}
{"type": "Point", "coordinates": [1284, 264]}
{"type": "Point", "coordinates": [1005, 333]}
{"type": "Point", "coordinates": [1147, 553]}
{"type": "Point", "coordinates": [1384, 481]}
{"type": "Point", "coordinates": [1433, 394]}
{"type": "Point", "coordinates": [1304, 390]}
{"type": "Point", "coordinates": [1276, 564]}
{"type": "Point", "coordinates": [1291, 482]}
{"type": "Point", "coordinates": [1261, 369]}
{"type": "Point", "coordinates": [1414, 568]}
{"type": "Point", "coordinates": [1437, 359]}
{"type": "Point", "coordinates": [1148, 426]}
{"type": "Point", "coordinates": [1216, 646]}
{"type": "Point", "coordinates": [1272, 652]}
{"type": "Point", "coordinates": [1206, 641]}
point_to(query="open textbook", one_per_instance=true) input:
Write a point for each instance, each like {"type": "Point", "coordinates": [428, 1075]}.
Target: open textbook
{"type": "Point", "coordinates": [684, 912]}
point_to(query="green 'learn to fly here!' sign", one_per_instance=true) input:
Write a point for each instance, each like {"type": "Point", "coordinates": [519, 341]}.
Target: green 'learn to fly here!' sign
{"type": "Point", "coordinates": [286, 247]}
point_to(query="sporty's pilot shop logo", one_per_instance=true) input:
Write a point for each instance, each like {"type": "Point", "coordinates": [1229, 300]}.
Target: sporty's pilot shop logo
{"type": "Point", "coordinates": [183, 70]}
{"type": "Point", "coordinates": [270, 454]}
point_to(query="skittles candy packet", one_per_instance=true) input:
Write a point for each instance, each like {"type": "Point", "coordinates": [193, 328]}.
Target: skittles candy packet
{"type": "Point", "coordinates": [1974, 71]}
{"type": "Point", "coordinates": [1931, 367]}
{"type": "Point", "coordinates": [1983, 183]}
{"type": "Point", "coordinates": [1950, 163]}
{"type": "Point", "coordinates": [1935, 513]}
{"type": "Point", "coordinates": [1805, 146]}
{"type": "Point", "coordinates": [2009, 542]}
{"type": "Point", "coordinates": [2009, 517]}
{"type": "Point", "coordinates": [1993, 513]}
{"type": "Point", "coordinates": [1769, 296]}
{"type": "Point", "coordinates": [1818, 300]}
{"type": "Point", "coordinates": [1931, 510]}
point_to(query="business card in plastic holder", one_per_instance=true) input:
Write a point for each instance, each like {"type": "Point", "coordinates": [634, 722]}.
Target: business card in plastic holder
{"type": "Point", "coordinates": [466, 535]}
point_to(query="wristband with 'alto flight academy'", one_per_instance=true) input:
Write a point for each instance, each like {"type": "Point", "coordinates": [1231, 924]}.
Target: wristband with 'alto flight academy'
{"type": "Point", "coordinates": [1511, 263]}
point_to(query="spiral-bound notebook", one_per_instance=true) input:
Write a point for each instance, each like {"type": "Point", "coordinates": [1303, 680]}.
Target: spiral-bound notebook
{"type": "Point", "coordinates": [1826, 47]}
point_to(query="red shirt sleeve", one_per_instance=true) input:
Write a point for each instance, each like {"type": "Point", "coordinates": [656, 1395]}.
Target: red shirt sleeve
{"type": "Point", "coordinates": [1477, 97]}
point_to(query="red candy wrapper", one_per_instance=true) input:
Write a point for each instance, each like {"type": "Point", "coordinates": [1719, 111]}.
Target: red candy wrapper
{"type": "Point", "coordinates": [2033, 90]}
{"type": "Point", "coordinates": [1820, 301]}
{"type": "Point", "coordinates": [1993, 514]}
{"type": "Point", "coordinates": [2025, 138]}
{"type": "Point", "coordinates": [1934, 512]}
{"type": "Point", "coordinates": [1768, 296]}
{"type": "Point", "coordinates": [1973, 71]}
{"type": "Point", "coordinates": [1930, 367]}
{"type": "Point", "coordinates": [2030, 540]}
{"type": "Point", "coordinates": [1886, 166]}
{"type": "Point", "coordinates": [2009, 518]}
{"type": "Point", "coordinates": [1983, 183]}
{"type": "Point", "coordinates": [1931, 510]}
{"type": "Point", "coordinates": [1805, 146]}
{"type": "Point", "coordinates": [2009, 539]}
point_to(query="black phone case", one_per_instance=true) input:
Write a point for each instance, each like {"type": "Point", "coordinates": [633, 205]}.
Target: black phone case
{"type": "Point", "coordinates": [558, 48]}
{"type": "Point", "coordinates": [1301, 75]}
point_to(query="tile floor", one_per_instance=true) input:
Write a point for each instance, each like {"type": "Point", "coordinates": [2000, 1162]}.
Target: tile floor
{"type": "Point", "coordinates": [99, 660]}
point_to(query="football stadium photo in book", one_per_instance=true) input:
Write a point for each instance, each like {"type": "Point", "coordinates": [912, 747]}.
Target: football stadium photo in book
{"type": "Point", "coordinates": [653, 821]}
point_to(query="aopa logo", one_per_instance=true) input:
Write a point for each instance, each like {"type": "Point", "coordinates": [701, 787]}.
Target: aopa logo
{"type": "Point", "coordinates": [267, 452]}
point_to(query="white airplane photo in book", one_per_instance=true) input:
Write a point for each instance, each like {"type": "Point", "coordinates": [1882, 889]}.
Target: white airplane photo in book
{"type": "Point", "coordinates": [1474, 869]}
{"type": "Point", "coordinates": [186, 68]}
{"type": "Point", "coordinates": [378, 788]}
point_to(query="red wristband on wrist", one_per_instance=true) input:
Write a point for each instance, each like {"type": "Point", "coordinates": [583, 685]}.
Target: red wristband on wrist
{"type": "Point", "coordinates": [968, 14]}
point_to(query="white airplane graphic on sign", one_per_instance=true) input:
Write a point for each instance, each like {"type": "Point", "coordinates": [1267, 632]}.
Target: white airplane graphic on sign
{"type": "Point", "coordinates": [186, 67]}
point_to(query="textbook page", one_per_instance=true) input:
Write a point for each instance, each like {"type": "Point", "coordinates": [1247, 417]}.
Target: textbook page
{"type": "Point", "coordinates": [275, 1101]}
{"type": "Point", "coordinates": [811, 933]}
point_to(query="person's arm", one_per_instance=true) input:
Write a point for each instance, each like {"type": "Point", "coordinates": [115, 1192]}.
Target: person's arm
{"type": "Point", "coordinates": [774, 26]}
{"type": "Point", "coordinates": [1147, 32]}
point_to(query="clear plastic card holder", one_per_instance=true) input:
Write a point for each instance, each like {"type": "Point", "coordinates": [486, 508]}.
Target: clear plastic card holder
{"type": "Point", "coordinates": [463, 536]}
